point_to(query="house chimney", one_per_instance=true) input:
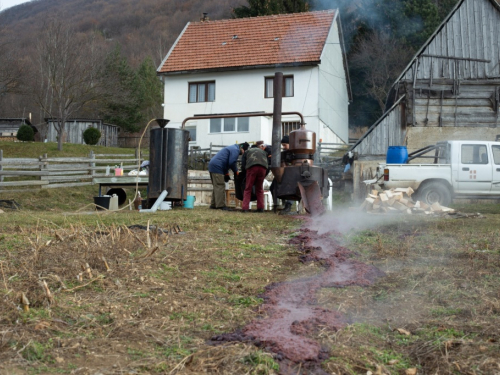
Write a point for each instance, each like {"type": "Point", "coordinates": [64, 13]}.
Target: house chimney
{"type": "Point", "coordinates": [204, 18]}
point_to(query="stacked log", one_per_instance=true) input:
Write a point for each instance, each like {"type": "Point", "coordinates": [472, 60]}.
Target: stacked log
{"type": "Point", "coordinates": [398, 201]}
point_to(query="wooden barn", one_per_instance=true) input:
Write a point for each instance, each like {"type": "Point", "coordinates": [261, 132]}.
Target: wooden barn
{"type": "Point", "coordinates": [10, 126]}
{"type": "Point", "coordinates": [451, 88]}
{"type": "Point", "coordinates": [74, 128]}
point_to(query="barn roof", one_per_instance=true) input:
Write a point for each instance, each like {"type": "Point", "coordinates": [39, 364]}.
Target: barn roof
{"type": "Point", "coordinates": [278, 40]}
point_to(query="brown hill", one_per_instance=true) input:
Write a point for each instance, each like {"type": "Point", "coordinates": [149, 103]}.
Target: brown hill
{"type": "Point", "coordinates": [141, 27]}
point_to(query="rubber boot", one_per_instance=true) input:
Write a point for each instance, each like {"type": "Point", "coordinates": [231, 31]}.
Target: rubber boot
{"type": "Point", "coordinates": [287, 208]}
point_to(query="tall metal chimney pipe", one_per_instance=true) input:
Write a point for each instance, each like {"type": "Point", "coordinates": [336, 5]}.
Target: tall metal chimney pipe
{"type": "Point", "coordinates": [276, 140]}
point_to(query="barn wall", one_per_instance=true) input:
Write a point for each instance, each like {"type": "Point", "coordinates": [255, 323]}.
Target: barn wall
{"type": "Point", "coordinates": [471, 37]}
{"type": "Point", "coordinates": [389, 131]}
{"type": "Point", "coordinates": [419, 137]}
{"type": "Point", "coordinates": [73, 132]}
{"type": "Point", "coordinates": [473, 103]}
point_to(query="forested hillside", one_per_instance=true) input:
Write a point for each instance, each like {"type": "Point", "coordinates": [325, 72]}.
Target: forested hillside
{"type": "Point", "coordinates": [128, 39]}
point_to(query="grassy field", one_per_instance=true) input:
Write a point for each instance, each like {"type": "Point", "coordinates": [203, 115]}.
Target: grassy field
{"type": "Point", "coordinates": [108, 296]}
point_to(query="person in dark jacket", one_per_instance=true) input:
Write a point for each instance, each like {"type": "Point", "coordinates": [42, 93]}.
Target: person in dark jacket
{"type": "Point", "coordinates": [219, 168]}
{"type": "Point", "coordinates": [285, 156]}
{"type": "Point", "coordinates": [255, 166]}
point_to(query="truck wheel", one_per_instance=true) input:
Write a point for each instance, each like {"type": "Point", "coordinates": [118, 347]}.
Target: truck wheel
{"type": "Point", "coordinates": [435, 192]}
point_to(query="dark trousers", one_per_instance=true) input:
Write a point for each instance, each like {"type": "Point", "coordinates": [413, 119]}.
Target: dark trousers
{"type": "Point", "coordinates": [219, 190]}
{"type": "Point", "coordinates": [255, 177]}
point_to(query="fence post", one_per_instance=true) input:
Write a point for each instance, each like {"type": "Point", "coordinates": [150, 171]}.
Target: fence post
{"type": "Point", "coordinates": [92, 163]}
{"type": "Point", "coordinates": [1, 166]}
{"type": "Point", "coordinates": [43, 165]}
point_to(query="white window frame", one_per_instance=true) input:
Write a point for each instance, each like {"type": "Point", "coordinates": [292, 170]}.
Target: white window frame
{"type": "Point", "coordinates": [236, 125]}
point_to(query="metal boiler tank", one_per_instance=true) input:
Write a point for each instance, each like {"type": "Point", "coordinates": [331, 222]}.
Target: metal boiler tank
{"type": "Point", "coordinates": [168, 163]}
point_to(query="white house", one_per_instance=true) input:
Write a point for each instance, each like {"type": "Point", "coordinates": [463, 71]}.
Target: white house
{"type": "Point", "coordinates": [226, 67]}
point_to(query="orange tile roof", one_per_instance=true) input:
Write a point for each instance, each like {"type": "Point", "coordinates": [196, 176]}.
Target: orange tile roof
{"type": "Point", "coordinates": [296, 38]}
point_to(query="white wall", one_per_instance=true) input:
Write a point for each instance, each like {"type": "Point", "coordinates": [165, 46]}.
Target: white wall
{"type": "Point", "coordinates": [243, 91]}
{"type": "Point", "coordinates": [333, 94]}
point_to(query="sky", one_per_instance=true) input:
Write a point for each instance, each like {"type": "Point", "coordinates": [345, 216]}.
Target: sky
{"type": "Point", "coordinates": [4, 4]}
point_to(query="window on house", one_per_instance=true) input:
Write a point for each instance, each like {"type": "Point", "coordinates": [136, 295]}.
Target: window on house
{"type": "Point", "coordinates": [201, 92]}
{"type": "Point", "coordinates": [192, 133]}
{"type": "Point", "coordinates": [287, 86]}
{"type": "Point", "coordinates": [229, 125]}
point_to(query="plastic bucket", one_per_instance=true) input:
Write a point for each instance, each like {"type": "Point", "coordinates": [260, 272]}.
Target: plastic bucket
{"type": "Point", "coordinates": [102, 202]}
{"type": "Point", "coordinates": [189, 201]}
{"type": "Point", "coordinates": [397, 155]}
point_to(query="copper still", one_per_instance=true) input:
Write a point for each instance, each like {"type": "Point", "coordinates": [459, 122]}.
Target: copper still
{"type": "Point", "coordinates": [296, 177]}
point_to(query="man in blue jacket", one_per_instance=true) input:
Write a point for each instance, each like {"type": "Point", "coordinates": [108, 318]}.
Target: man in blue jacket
{"type": "Point", "coordinates": [219, 168]}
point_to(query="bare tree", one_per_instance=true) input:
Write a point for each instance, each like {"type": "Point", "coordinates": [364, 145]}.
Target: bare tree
{"type": "Point", "coordinates": [380, 60]}
{"type": "Point", "coordinates": [11, 68]}
{"type": "Point", "coordinates": [69, 76]}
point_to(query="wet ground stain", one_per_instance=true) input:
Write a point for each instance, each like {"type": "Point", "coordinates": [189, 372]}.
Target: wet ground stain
{"type": "Point", "coordinates": [291, 313]}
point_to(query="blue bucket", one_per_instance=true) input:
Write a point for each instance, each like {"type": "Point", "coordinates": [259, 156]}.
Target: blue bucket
{"type": "Point", "coordinates": [189, 201]}
{"type": "Point", "coordinates": [397, 155]}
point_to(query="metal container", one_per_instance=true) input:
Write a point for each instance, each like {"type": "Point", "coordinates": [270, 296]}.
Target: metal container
{"type": "Point", "coordinates": [168, 164]}
{"type": "Point", "coordinates": [303, 141]}
{"type": "Point", "coordinates": [302, 145]}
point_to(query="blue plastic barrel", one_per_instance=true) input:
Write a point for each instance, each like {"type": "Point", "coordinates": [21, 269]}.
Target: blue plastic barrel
{"type": "Point", "coordinates": [189, 201]}
{"type": "Point", "coordinates": [397, 155]}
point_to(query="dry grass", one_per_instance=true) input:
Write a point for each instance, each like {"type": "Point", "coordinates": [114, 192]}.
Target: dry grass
{"type": "Point", "coordinates": [151, 301]}
{"type": "Point", "coordinates": [441, 288]}
{"type": "Point", "coordinates": [133, 299]}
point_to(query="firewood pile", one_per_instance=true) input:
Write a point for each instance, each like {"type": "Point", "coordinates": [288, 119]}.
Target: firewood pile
{"type": "Point", "coordinates": [398, 201]}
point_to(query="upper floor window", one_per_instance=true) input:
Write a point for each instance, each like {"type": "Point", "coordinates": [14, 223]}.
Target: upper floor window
{"type": "Point", "coordinates": [228, 125]}
{"type": "Point", "coordinates": [287, 86]}
{"type": "Point", "coordinates": [201, 92]}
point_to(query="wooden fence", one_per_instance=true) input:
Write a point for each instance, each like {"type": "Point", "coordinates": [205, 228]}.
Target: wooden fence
{"type": "Point", "coordinates": [21, 174]}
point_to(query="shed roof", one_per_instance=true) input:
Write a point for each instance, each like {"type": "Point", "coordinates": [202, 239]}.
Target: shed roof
{"type": "Point", "coordinates": [278, 40]}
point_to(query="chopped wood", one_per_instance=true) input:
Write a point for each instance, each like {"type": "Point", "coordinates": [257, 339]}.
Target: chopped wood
{"type": "Point", "coordinates": [375, 192]}
{"type": "Point", "coordinates": [383, 197]}
{"type": "Point", "coordinates": [370, 200]}
{"type": "Point", "coordinates": [436, 207]}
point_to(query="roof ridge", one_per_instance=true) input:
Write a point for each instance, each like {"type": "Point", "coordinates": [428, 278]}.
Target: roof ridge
{"type": "Point", "coordinates": [281, 15]}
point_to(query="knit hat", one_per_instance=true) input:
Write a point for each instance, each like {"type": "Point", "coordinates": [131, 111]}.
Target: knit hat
{"type": "Point", "coordinates": [244, 146]}
{"type": "Point", "coordinates": [285, 139]}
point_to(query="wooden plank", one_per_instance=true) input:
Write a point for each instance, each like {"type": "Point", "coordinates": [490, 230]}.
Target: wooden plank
{"type": "Point", "coordinates": [24, 183]}
{"type": "Point", "coordinates": [22, 173]}
{"type": "Point", "coordinates": [67, 178]}
{"type": "Point", "coordinates": [54, 186]}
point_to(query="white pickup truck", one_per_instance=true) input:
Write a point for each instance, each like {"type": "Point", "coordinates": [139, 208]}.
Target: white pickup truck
{"type": "Point", "coordinates": [460, 169]}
